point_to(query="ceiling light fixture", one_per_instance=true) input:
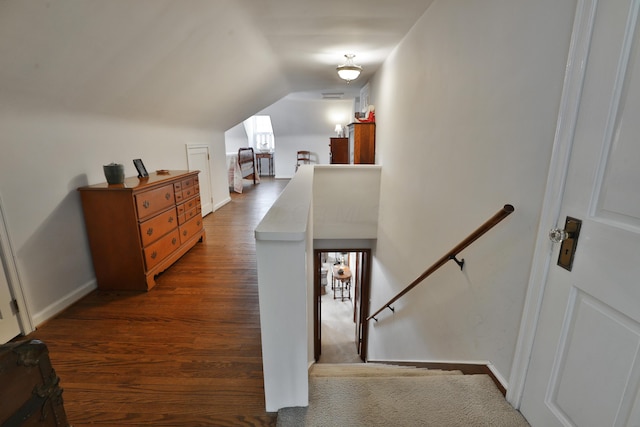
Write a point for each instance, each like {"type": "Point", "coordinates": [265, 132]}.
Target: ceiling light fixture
{"type": "Point", "coordinates": [349, 71]}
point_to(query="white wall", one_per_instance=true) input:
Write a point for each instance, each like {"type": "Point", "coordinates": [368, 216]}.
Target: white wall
{"type": "Point", "coordinates": [303, 123]}
{"type": "Point", "coordinates": [287, 148]}
{"type": "Point", "coordinates": [236, 138]}
{"type": "Point", "coordinates": [466, 110]}
{"type": "Point", "coordinates": [346, 201]}
{"type": "Point", "coordinates": [46, 156]}
{"type": "Point", "coordinates": [299, 123]}
{"type": "Point", "coordinates": [139, 80]}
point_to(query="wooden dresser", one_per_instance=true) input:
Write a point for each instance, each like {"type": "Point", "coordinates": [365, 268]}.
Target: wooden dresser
{"type": "Point", "coordinates": [138, 229]}
{"type": "Point", "coordinates": [339, 151]}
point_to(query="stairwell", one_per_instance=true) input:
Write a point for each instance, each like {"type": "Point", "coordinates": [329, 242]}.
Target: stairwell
{"type": "Point", "coordinates": [388, 395]}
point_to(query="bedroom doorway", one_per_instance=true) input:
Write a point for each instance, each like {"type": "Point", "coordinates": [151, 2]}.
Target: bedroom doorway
{"type": "Point", "coordinates": [345, 295]}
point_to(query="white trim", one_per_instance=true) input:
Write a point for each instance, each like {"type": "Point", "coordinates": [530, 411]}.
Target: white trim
{"type": "Point", "coordinates": [221, 204]}
{"type": "Point", "coordinates": [65, 302]}
{"type": "Point", "coordinates": [554, 192]}
{"type": "Point", "coordinates": [13, 276]}
{"type": "Point", "coordinates": [486, 363]}
{"type": "Point", "coordinates": [498, 375]}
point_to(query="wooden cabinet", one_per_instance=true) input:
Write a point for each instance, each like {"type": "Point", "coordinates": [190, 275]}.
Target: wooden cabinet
{"type": "Point", "coordinates": [339, 150]}
{"type": "Point", "coordinates": [138, 229]}
{"type": "Point", "coordinates": [362, 143]}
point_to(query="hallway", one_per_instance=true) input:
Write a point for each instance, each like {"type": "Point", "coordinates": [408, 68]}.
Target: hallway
{"type": "Point", "coordinates": [337, 330]}
{"type": "Point", "coordinates": [186, 353]}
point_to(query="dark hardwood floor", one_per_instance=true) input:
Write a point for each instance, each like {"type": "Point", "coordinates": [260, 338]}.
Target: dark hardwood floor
{"type": "Point", "coordinates": [186, 353]}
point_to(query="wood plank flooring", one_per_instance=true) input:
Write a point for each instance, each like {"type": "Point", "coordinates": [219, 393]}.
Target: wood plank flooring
{"type": "Point", "coordinates": [186, 353]}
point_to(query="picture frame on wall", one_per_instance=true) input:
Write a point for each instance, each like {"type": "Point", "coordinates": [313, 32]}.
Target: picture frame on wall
{"type": "Point", "coordinates": [142, 171]}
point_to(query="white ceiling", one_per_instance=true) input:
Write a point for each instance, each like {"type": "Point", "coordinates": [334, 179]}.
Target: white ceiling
{"type": "Point", "coordinates": [205, 63]}
{"type": "Point", "coordinates": [311, 37]}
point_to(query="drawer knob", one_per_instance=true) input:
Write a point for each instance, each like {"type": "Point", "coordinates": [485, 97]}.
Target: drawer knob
{"type": "Point", "coordinates": [167, 196]}
{"type": "Point", "coordinates": [199, 222]}
{"type": "Point", "coordinates": [150, 231]}
{"type": "Point", "coordinates": [146, 204]}
{"type": "Point", "coordinates": [154, 255]}
{"type": "Point", "coordinates": [184, 233]}
{"type": "Point", "coordinates": [170, 219]}
{"type": "Point", "coordinates": [173, 241]}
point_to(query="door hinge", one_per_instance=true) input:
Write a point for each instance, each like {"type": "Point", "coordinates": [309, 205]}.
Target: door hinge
{"type": "Point", "coordinates": [15, 306]}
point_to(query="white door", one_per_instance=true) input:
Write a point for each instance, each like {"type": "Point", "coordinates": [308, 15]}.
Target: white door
{"type": "Point", "coordinates": [585, 364]}
{"type": "Point", "coordinates": [198, 159]}
{"type": "Point", "coordinates": [9, 317]}
{"type": "Point", "coordinates": [9, 324]}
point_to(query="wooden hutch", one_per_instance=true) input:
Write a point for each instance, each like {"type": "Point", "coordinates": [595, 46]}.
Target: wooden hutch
{"type": "Point", "coordinates": [358, 148]}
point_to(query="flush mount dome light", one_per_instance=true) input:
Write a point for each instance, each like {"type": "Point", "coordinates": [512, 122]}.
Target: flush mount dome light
{"type": "Point", "coordinates": [349, 71]}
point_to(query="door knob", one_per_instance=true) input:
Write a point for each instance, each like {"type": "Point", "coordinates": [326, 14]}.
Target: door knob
{"type": "Point", "coordinates": [557, 235]}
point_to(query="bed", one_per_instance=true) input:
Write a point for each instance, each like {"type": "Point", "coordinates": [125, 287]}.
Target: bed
{"type": "Point", "coordinates": [242, 166]}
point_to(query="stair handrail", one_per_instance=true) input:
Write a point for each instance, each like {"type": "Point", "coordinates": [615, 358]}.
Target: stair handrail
{"type": "Point", "coordinates": [451, 255]}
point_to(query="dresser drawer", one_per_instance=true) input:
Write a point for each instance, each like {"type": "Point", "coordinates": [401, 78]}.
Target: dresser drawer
{"type": "Point", "coordinates": [190, 228]}
{"type": "Point", "coordinates": [188, 215]}
{"type": "Point", "coordinates": [186, 193]}
{"type": "Point", "coordinates": [160, 249]}
{"type": "Point", "coordinates": [189, 182]}
{"type": "Point", "coordinates": [153, 201]}
{"type": "Point", "coordinates": [156, 227]}
{"type": "Point", "coordinates": [188, 210]}
{"type": "Point", "coordinates": [191, 204]}
{"type": "Point", "coordinates": [189, 192]}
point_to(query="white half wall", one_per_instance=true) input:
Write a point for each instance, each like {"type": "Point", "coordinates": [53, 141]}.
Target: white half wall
{"type": "Point", "coordinates": [346, 199]}
{"type": "Point", "coordinates": [284, 251]}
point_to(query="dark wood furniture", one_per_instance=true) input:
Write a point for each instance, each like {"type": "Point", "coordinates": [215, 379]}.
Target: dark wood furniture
{"type": "Point", "coordinates": [362, 140]}
{"type": "Point", "coordinates": [247, 163]}
{"type": "Point", "coordinates": [138, 229]}
{"type": "Point", "coordinates": [339, 151]}
{"type": "Point", "coordinates": [341, 282]}
{"type": "Point", "coordinates": [30, 393]}
{"type": "Point", "coordinates": [303, 158]}
{"type": "Point", "coordinates": [269, 157]}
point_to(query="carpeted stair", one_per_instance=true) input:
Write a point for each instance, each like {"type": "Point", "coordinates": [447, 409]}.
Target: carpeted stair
{"type": "Point", "coordinates": [370, 394]}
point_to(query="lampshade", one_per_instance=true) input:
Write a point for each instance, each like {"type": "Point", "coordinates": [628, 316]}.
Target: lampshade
{"type": "Point", "coordinates": [338, 129]}
{"type": "Point", "coordinates": [349, 71]}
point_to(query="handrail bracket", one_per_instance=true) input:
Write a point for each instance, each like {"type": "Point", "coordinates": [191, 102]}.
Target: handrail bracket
{"type": "Point", "coordinates": [386, 306]}
{"type": "Point", "coordinates": [459, 262]}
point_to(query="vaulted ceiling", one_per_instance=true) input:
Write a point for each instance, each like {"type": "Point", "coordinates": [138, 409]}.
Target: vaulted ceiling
{"type": "Point", "coordinates": [202, 63]}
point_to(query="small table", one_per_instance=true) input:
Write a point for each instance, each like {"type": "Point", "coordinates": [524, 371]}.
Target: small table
{"type": "Point", "coordinates": [264, 155]}
{"type": "Point", "coordinates": [341, 281]}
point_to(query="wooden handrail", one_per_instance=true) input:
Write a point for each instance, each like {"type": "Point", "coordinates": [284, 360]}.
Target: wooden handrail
{"type": "Point", "coordinates": [451, 255]}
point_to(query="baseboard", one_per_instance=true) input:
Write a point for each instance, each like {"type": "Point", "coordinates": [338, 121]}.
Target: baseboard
{"type": "Point", "coordinates": [63, 303]}
{"type": "Point", "coordinates": [221, 204]}
{"type": "Point", "coordinates": [464, 367]}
